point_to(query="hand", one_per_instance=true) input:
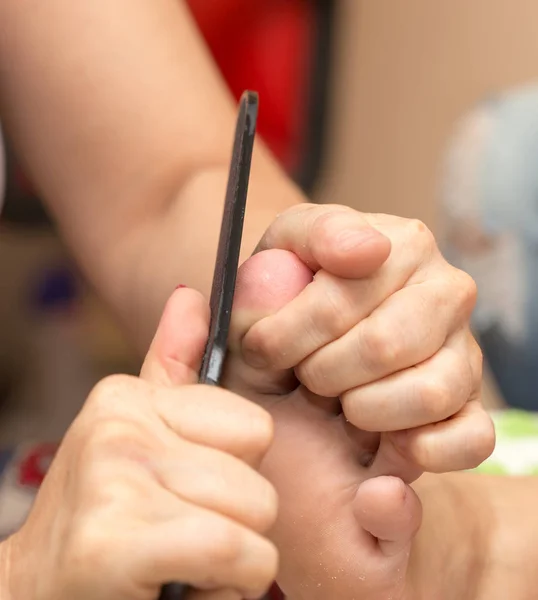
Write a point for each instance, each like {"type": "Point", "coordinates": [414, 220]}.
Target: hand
{"type": "Point", "coordinates": [384, 326]}
{"type": "Point", "coordinates": [405, 362]}
{"type": "Point", "coordinates": [155, 481]}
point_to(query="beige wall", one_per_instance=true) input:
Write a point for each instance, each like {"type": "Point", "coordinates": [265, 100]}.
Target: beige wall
{"type": "Point", "coordinates": [406, 70]}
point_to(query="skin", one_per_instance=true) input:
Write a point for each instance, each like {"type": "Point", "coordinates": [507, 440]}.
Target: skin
{"type": "Point", "coordinates": [149, 173]}
{"type": "Point", "coordinates": [157, 480]}
{"type": "Point", "coordinates": [484, 530]}
{"type": "Point", "coordinates": [345, 527]}
{"type": "Point", "coordinates": [348, 514]}
{"type": "Point", "coordinates": [127, 136]}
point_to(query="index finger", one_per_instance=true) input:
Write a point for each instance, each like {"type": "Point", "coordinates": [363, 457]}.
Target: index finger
{"type": "Point", "coordinates": [216, 418]}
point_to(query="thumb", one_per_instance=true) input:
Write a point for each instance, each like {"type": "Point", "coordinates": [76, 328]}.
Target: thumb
{"type": "Point", "coordinates": [266, 282]}
{"type": "Point", "coordinates": [391, 512]}
{"type": "Point", "coordinates": [175, 355]}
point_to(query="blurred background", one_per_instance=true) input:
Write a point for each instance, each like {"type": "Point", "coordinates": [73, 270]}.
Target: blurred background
{"type": "Point", "coordinates": [417, 108]}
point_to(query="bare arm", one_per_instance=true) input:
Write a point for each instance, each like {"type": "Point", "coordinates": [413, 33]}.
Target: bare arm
{"type": "Point", "coordinates": [126, 126]}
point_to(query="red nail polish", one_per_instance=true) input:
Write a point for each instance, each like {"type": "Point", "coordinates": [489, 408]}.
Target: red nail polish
{"type": "Point", "coordinates": [178, 287]}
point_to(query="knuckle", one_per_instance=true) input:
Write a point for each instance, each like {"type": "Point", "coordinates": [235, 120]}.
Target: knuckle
{"type": "Point", "coordinates": [476, 359]}
{"type": "Point", "coordinates": [263, 571]}
{"type": "Point", "coordinates": [436, 400]}
{"type": "Point", "coordinates": [418, 228]}
{"type": "Point", "coordinates": [421, 452]}
{"type": "Point", "coordinates": [382, 347]}
{"type": "Point", "coordinates": [482, 442]}
{"type": "Point", "coordinates": [421, 235]}
{"type": "Point", "coordinates": [266, 507]}
{"type": "Point", "coordinates": [110, 391]}
{"type": "Point", "coordinates": [225, 547]}
{"type": "Point", "coordinates": [334, 308]}
{"type": "Point", "coordinates": [351, 408]}
{"type": "Point", "coordinates": [431, 453]}
{"type": "Point", "coordinates": [361, 413]}
{"type": "Point", "coordinates": [115, 490]}
{"type": "Point", "coordinates": [312, 374]}
{"type": "Point", "coordinates": [266, 341]}
{"type": "Point", "coordinates": [109, 434]}
{"type": "Point", "coordinates": [268, 568]}
{"type": "Point", "coordinates": [112, 438]}
{"type": "Point", "coordinates": [224, 543]}
{"type": "Point", "coordinates": [464, 291]}
{"type": "Point", "coordinates": [88, 549]}
{"type": "Point", "coordinates": [475, 443]}
{"type": "Point", "coordinates": [261, 429]}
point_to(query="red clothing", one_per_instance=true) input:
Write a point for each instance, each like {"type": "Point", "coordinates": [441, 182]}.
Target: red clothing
{"type": "Point", "coordinates": [265, 46]}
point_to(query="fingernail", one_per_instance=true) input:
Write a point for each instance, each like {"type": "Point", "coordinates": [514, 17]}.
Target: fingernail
{"type": "Point", "coordinates": [180, 286]}
{"type": "Point", "coordinates": [349, 239]}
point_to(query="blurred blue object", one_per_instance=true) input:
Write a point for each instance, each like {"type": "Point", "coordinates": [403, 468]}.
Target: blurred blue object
{"type": "Point", "coordinates": [490, 229]}
{"type": "Point", "coordinates": [55, 288]}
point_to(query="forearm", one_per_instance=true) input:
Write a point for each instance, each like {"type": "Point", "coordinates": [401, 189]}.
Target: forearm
{"type": "Point", "coordinates": [479, 533]}
{"type": "Point", "coordinates": [126, 127]}
{"type": "Point", "coordinates": [179, 245]}
{"type": "Point", "coordinates": [5, 593]}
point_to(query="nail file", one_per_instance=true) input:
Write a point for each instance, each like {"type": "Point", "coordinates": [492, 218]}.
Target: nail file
{"type": "Point", "coordinates": [222, 291]}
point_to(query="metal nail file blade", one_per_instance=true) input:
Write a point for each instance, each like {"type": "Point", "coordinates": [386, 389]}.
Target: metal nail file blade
{"type": "Point", "coordinates": [222, 291]}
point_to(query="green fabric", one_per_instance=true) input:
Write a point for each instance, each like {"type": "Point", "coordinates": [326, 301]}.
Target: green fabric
{"type": "Point", "coordinates": [516, 424]}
